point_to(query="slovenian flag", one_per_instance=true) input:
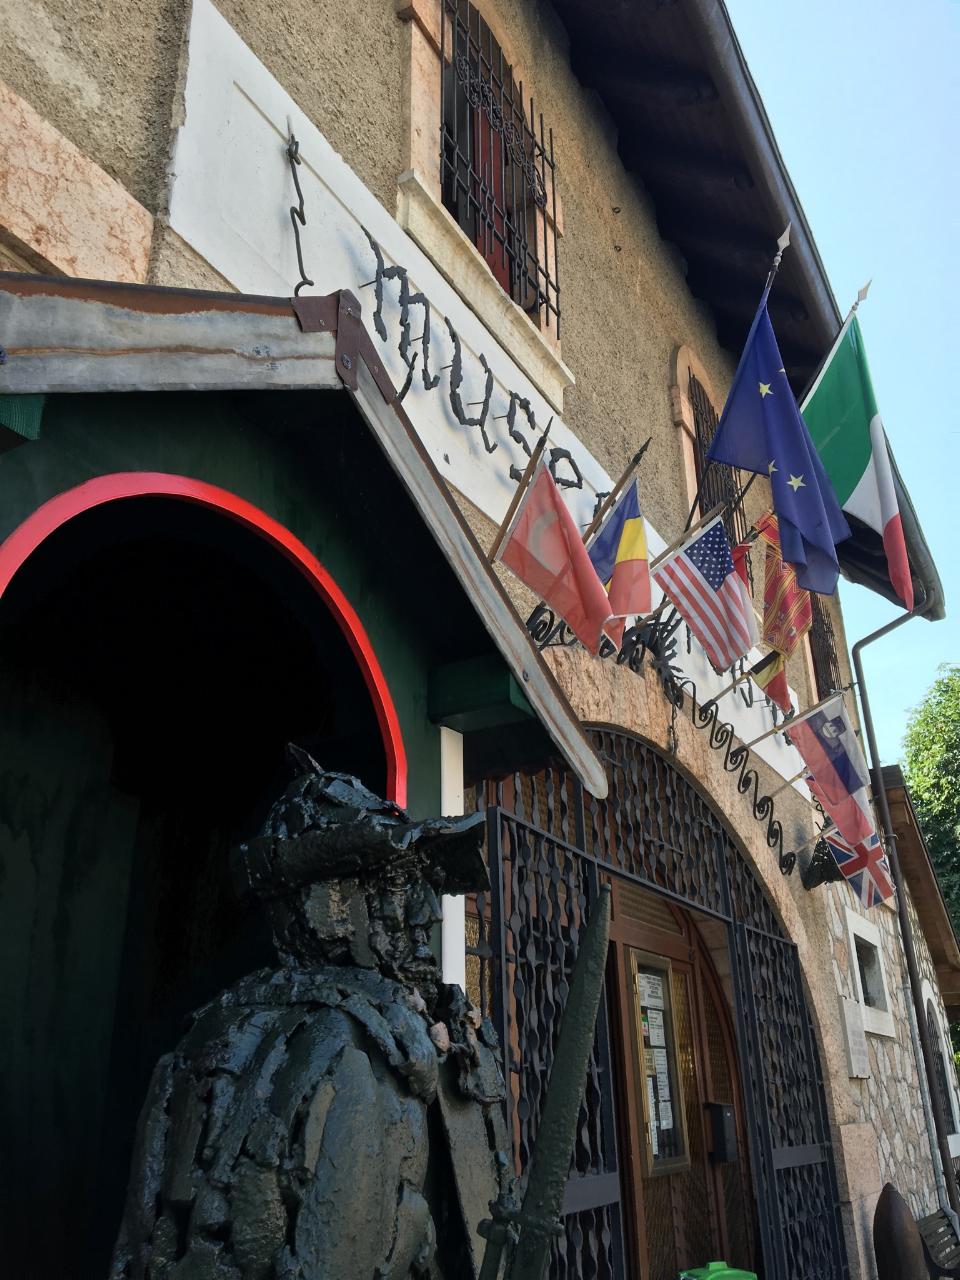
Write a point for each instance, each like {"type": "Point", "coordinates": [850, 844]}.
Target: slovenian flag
{"type": "Point", "coordinates": [839, 777]}
{"type": "Point", "coordinates": [845, 426]}
{"type": "Point", "coordinates": [619, 555]}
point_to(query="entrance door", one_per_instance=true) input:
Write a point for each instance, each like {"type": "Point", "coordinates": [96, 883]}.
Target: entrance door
{"type": "Point", "coordinates": [686, 897]}
{"type": "Point", "coordinates": [683, 1128]}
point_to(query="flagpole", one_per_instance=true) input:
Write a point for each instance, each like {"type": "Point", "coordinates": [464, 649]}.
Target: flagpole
{"type": "Point", "coordinates": [789, 782]}
{"type": "Point", "coordinates": [615, 492]}
{"type": "Point", "coordinates": [686, 535]}
{"type": "Point", "coordinates": [497, 545]}
{"type": "Point", "coordinates": [816, 837]}
{"type": "Point", "coordinates": [793, 721]}
{"type": "Point", "coordinates": [782, 242]}
{"type": "Point", "coordinates": [745, 675]}
{"type": "Point", "coordinates": [822, 366]}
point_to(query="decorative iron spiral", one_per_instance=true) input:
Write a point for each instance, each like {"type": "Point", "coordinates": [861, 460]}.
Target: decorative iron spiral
{"type": "Point", "coordinates": [481, 97]}
{"type": "Point", "coordinates": [658, 640]}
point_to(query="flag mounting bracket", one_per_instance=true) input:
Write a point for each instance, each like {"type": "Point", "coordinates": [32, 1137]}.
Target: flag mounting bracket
{"type": "Point", "coordinates": [657, 640]}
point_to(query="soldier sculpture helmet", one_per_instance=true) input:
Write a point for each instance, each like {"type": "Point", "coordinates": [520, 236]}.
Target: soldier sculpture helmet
{"type": "Point", "coordinates": [348, 878]}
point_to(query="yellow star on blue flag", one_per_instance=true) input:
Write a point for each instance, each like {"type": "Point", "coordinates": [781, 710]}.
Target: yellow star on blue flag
{"type": "Point", "coordinates": [758, 426]}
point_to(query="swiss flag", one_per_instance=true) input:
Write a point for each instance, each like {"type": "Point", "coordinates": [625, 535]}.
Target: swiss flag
{"type": "Point", "coordinates": [545, 550]}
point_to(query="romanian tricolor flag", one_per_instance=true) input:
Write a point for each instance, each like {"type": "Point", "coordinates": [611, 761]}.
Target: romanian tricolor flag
{"type": "Point", "coordinates": [619, 555]}
{"type": "Point", "coordinates": [770, 673]}
{"type": "Point", "coordinates": [787, 610]}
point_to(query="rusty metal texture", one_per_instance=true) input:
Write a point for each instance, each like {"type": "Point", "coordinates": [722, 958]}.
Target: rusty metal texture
{"type": "Point", "coordinates": [323, 314]}
{"type": "Point", "coordinates": [89, 336]}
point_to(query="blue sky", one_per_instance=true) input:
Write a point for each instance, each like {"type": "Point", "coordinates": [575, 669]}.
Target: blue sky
{"type": "Point", "coordinates": [864, 99]}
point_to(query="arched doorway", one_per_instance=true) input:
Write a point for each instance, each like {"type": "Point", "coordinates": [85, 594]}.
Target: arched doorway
{"type": "Point", "coordinates": [155, 658]}
{"type": "Point", "coordinates": [704, 958]}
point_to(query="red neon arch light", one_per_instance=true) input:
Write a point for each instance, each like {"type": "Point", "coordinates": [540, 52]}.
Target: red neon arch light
{"type": "Point", "coordinates": [25, 539]}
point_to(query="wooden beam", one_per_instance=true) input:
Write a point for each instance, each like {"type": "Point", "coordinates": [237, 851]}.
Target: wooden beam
{"type": "Point", "coordinates": [687, 169]}
{"type": "Point", "coordinates": [727, 246]}
{"type": "Point", "coordinates": [638, 83]}
{"type": "Point", "coordinates": [740, 297]}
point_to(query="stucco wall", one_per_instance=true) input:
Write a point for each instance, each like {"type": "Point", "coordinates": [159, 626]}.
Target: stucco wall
{"type": "Point", "coordinates": [105, 75]}
{"type": "Point", "coordinates": [109, 81]}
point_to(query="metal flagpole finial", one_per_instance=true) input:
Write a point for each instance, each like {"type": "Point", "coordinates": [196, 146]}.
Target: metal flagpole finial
{"type": "Point", "coordinates": [782, 243]}
{"type": "Point", "coordinates": [861, 296]}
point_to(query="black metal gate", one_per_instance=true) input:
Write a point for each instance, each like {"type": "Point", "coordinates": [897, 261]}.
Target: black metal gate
{"type": "Point", "coordinates": [549, 846]}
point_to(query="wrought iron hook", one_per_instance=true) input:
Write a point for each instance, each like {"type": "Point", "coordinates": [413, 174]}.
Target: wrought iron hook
{"type": "Point", "coordinates": [297, 213]}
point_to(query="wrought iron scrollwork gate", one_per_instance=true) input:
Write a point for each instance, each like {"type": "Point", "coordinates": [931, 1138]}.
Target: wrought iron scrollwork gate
{"type": "Point", "coordinates": [549, 847]}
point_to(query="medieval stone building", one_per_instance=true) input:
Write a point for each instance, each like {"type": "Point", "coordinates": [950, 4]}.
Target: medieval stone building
{"type": "Point", "coordinates": [227, 523]}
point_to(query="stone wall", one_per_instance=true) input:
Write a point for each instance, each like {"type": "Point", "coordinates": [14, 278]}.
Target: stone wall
{"type": "Point", "coordinates": [890, 1103]}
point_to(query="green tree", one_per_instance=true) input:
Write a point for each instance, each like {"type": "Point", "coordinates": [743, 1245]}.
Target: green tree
{"type": "Point", "coordinates": [932, 759]}
{"type": "Point", "coordinates": [932, 755]}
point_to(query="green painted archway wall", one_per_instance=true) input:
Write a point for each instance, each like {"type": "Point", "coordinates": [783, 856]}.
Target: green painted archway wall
{"type": "Point", "coordinates": [309, 464]}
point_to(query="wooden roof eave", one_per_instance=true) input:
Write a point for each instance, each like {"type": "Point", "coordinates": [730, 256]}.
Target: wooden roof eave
{"type": "Point", "coordinates": [921, 878]}
{"type": "Point", "coordinates": [63, 335]}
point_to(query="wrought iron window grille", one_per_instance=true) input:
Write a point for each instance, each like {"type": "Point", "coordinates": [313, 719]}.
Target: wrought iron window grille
{"type": "Point", "coordinates": [823, 650]}
{"type": "Point", "coordinates": [717, 484]}
{"type": "Point", "coordinates": [940, 1067]}
{"type": "Point", "coordinates": [497, 169]}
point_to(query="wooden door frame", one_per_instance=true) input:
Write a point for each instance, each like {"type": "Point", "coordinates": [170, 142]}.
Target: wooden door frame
{"type": "Point", "coordinates": [689, 954]}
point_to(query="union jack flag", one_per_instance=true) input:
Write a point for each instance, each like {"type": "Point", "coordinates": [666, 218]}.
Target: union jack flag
{"type": "Point", "coordinates": [864, 865]}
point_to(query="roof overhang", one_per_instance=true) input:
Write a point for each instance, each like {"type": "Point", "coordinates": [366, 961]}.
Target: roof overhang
{"type": "Point", "coordinates": [693, 129]}
{"type": "Point", "coordinates": [921, 878]}
{"type": "Point", "coordinates": [94, 336]}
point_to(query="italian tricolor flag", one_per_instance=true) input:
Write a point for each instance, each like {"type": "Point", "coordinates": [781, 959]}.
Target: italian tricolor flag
{"type": "Point", "coordinates": [841, 414]}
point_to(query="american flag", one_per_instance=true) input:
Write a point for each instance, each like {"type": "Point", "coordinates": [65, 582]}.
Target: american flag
{"type": "Point", "coordinates": [699, 578]}
{"type": "Point", "coordinates": [864, 865]}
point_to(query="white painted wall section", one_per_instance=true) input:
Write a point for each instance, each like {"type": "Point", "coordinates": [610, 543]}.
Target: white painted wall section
{"type": "Point", "coordinates": [453, 953]}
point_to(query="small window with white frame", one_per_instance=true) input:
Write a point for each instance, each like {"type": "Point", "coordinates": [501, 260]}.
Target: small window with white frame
{"type": "Point", "coordinates": [938, 1034]}
{"type": "Point", "coordinates": [869, 977]}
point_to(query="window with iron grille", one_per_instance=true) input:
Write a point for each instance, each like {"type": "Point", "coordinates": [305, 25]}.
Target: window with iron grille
{"type": "Point", "coordinates": [718, 483]}
{"type": "Point", "coordinates": [823, 649]}
{"type": "Point", "coordinates": [940, 1067]}
{"type": "Point", "coordinates": [497, 172]}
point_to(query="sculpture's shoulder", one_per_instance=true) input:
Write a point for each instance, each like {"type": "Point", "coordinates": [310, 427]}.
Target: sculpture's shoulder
{"type": "Point", "coordinates": [326, 1004]}
{"type": "Point", "coordinates": [292, 1087]}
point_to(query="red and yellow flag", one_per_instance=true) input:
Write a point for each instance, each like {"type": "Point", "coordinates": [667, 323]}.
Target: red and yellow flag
{"type": "Point", "coordinates": [787, 609]}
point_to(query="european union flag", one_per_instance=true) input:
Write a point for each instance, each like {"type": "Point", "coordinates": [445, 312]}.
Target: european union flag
{"type": "Point", "coordinates": [761, 430]}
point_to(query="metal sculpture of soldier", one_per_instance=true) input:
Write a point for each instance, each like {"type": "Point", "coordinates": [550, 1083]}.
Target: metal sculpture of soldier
{"type": "Point", "coordinates": [338, 1116]}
